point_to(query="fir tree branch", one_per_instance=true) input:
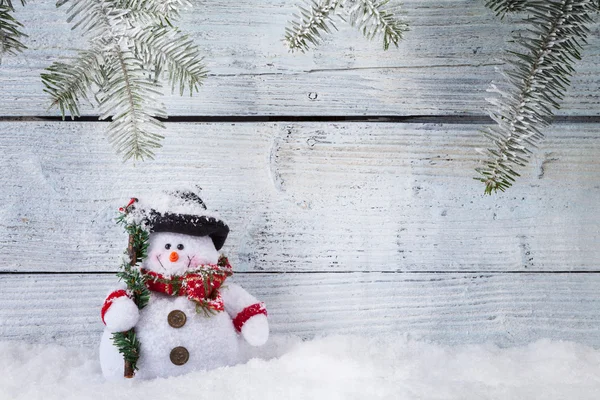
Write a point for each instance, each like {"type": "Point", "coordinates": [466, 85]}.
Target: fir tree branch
{"type": "Point", "coordinates": [309, 24]}
{"type": "Point", "coordinates": [129, 40]}
{"type": "Point", "coordinates": [127, 342]}
{"type": "Point", "coordinates": [152, 11]}
{"type": "Point", "coordinates": [373, 19]}
{"type": "Point", "coordinates": [68, 84]}
{"type": "Point", "coordinates": [10, 33]}
{"type": "Point", "coordinates": [128, 345]}
{"type": "Point", "coordinates": [165, 48]}
{"type": "Point", "coordinates": [125, 93]}
{"type": "Point", "coordinates": [128, 97]}
{"type": "Point", "coordinates": [503, 7]}
{"type": "Point", "coordinates": [96, 18]}
{"type": "Point", "coordinates": [535, 84]}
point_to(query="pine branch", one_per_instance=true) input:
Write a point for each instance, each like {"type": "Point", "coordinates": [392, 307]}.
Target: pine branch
{"type": "Point", "coordinates": [503, 7]}
{"type": "Point", "coordinates": [128, 345]}
{"type": "Point", "coordinates": [535, 85]}
{"type": "Point", "coordinates": [151, 11]}
{"type": "Point", "coordinates": [68, 84]}
{"type": "Point", "coordinates": [131, 43]}
{"type": "Point", "coordinates": [127, 342]}
{"type": "Point", "coordinates": [10, 33]}
{"type": "Point", "coordinates": [374, 19]}
{"type": "Point", "coordinates": [164, 48]}
{"type": "Point", "coordinates": [129, 98]}
{"type": "Point", "coordinates": [309, 24]}
{"type": "Point", "coordinates": [135, 282]}
{"type": "Point", "coordinates": [95, 18]}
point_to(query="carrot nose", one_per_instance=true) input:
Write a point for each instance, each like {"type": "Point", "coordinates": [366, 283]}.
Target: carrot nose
{"type": "Point", "coordinates": [173, 257]}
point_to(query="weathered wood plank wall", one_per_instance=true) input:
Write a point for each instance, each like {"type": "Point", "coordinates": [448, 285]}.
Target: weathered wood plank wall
{"type": "Point", "coordinates": [443, 67]}
{"type": "Point", "coordinates": [449, 308]}
{"type": "Point", "coordinates": [308, 197]}
{"type": "Point", "coordinates": [340, 227]}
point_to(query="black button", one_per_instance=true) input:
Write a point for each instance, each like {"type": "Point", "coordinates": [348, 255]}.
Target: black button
{"type": "Point", "coordinates": [176, 318]}
{"type": "Point", "coordinates": [179, 355]}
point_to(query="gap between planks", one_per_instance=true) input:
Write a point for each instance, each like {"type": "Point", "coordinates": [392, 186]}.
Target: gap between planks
{"type": "Point", "coordinates": [505, 310]}
{"type": "Point", "coordinates": [445, 119]}
{"type": "Point", "coordinates": [325, 272]}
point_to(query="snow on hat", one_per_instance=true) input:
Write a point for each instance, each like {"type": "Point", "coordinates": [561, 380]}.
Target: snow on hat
{"type": "Point", "coordinates": [180, 212]}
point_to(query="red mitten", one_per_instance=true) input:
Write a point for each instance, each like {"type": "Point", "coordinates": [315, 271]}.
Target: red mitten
{"type": "Point", "coordinates": [252, 323]}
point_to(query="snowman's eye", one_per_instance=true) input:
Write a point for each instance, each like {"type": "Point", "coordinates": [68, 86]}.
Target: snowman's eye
{"type": "Point", "coordinates": [168, 246]}
{"type": "Point", "coordinates": [179, 247]}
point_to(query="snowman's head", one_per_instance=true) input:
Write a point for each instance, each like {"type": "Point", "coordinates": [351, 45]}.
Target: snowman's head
{"type": "Point", "coordinates": [175, 253]}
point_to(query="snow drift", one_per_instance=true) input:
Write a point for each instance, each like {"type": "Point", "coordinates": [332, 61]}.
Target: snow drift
{"type": "Point", "coordinates": [335, 367]}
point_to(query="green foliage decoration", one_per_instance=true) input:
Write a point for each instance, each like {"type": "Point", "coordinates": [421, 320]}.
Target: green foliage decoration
{"type": "Point", "coordinates": [130, 273]}
{"type": "Point", "coordinates": [128, 345]}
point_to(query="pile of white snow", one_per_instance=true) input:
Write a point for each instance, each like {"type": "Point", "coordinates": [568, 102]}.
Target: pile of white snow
{"type": "Point", "coordinates": [335, 367]}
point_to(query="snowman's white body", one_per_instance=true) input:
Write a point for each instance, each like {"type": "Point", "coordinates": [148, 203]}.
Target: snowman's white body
{"type": "Point", "coordinates": [211, 341]}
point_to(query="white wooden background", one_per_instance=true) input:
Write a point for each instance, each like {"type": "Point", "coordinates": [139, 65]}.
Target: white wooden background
{"type": "Point", "coordinates": [339, 226]}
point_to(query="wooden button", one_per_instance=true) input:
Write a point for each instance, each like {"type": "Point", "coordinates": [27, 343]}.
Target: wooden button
{"type": "Point", "coordinates": [176, 318]}
{"type": "Point", "coordinates": [179, 355]}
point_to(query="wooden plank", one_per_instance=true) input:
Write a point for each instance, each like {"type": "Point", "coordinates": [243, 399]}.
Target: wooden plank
{"type": "Point", "coordinates": [506, 309]}
{"type": "Point", "coordinates": [307, 197]}
{"type": "Point", "coordinates": [443, 67]}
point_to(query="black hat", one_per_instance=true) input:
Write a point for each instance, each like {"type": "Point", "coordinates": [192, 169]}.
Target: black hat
{"type": "Point", "coordinates": [187, 224]}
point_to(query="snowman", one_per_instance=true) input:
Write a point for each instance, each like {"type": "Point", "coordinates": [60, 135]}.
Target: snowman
{"type": "Point", "coordinates": [190, 322]}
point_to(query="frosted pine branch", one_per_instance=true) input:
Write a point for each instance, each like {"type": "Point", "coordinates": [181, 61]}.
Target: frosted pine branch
{"type": "Point", "coordinates": [164, 48]}
{"type": "Point", "coordinates": [129, 99]}
{"type": "Point", "coordinates": [69, 84]}
{"type": "Point", "coordinates": [373, 18]}
{"type": "Point", "coordinates": [131, 44]}
{"type": "Point", "coordinates": [10, 30]}
{"type": "Point", "coordinates": [310, 23]}
{"type": "Point", "coordinates": [535, 84]}
{"type": "Point", "coordinates": [152, 11]}
{"type": "Point", "coordinates": [503, 7]}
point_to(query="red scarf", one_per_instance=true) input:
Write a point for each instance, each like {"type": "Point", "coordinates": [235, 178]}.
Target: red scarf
{"type": "Point", "coordinates": [200, 285]}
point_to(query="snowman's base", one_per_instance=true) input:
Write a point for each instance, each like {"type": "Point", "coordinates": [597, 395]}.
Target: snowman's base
{"type": "Point", "coordinates": [210, 342]}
